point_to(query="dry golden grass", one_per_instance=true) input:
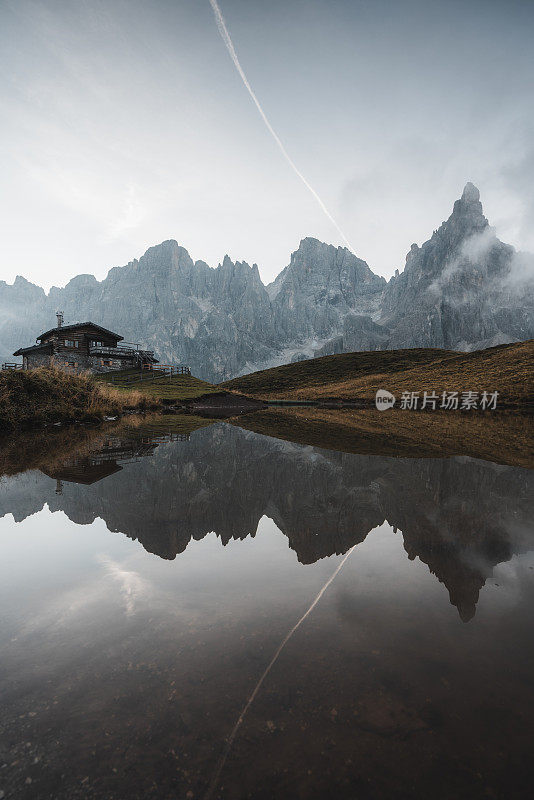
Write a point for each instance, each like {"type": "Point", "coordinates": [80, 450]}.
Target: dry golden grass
{"type": "Point", "coordinates": [119, 398]}
{"type": "Point", "coordinates": [48, 394]}
{"type": "Point", "coordinates": [508, 369]}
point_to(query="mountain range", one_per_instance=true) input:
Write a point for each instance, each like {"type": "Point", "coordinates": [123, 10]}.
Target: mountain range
{"type": "Point", "coordinates": [463, 289]}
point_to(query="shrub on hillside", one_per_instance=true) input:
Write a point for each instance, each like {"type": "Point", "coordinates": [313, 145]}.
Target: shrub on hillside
{"type": "Point", "coordinates": [49, 394]}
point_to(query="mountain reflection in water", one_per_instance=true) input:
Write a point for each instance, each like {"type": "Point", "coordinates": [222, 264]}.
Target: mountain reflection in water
{"type": "Point", "coordinates": [461, 517]}
{"type": "Point", "coordinates": [374, 703]}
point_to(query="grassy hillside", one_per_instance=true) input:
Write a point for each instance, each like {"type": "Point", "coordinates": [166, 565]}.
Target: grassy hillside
{"type": "Point", "coordinates": [157, 385]}
{"type": "Point", "coordinates": [508, 369]}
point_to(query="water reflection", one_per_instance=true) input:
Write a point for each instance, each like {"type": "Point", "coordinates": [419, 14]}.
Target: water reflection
{"type": "Point", "coordinates": [124, 674]}
{"type": "Point", "coordinates": [459, 516]}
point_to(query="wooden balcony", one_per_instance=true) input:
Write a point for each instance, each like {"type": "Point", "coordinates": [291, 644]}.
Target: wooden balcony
{"type": "Point", "coordinates": [121, 351]}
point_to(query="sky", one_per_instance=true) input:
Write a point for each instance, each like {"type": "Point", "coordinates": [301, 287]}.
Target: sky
{"type": "Point", "coordinates": [125, 123]}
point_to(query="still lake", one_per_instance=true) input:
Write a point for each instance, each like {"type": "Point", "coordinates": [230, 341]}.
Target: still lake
{"type": "Point", "coordinates": [228, 615]}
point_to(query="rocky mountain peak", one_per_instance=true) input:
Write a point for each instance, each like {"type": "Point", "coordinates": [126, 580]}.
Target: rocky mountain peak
{"type": "Point", "coordinates": [467, 215]}
{"type": "Point", "coordinates": [455, 289]}
{"type": "Point", "coordinates": [21, 288]}
{"type": "Point", "coordinates": [470, 193]}
{"type": "Point", "coordinates": [463, 238]}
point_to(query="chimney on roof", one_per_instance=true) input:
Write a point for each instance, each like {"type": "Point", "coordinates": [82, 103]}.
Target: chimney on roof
{"type": "Point", "coordinates": [59, 315]}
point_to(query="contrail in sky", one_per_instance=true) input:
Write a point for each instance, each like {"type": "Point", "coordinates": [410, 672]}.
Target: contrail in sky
{"type": "Point", "coordinates": [225, 36]}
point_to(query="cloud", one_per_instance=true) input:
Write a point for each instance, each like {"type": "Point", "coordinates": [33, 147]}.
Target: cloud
{"type": "Point", "coordinates": [132, 586]}
{"type": "Point", "coordinates": [520, 277]}
{"type": "Point", "coordinates": [516, 277]}
{"type": "Point", "coordinates": [477, 247]}
{"type": "Point", "coordinates": [474, 250]}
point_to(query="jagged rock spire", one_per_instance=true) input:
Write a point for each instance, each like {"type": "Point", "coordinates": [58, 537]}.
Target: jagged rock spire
{"type": "Point", "coordinates": [470, 193]}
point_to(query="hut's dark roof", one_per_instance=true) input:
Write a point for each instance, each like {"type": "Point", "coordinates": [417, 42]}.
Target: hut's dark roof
{"type": "Point", "coordinates": [81, 325]}
{"type": "Point", "coordinates": [22, 351]}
